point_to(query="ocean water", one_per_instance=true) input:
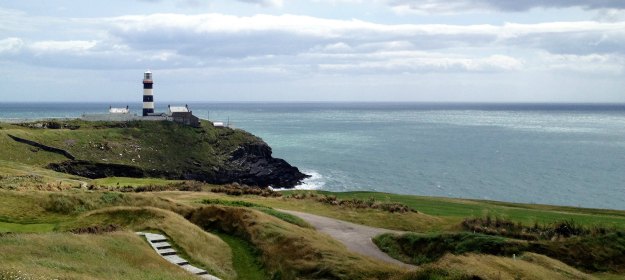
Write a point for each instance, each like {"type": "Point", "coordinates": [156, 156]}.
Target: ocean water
{"type": "Point", "coordinates": [563, 154]}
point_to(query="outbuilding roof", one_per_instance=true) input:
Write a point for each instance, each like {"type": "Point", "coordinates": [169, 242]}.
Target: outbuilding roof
{"type": "Point", "coordinates": [178, 109]}
{"type": "Point", "coordinates": [119, 110]}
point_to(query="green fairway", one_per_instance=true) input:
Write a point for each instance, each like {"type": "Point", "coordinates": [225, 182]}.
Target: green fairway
{"type": "Point", "coordinates": [13, 227]}
{"type": "Point", "coordinates": [245, 261]}
{"type": "Point", "coordinates": [525, 213]}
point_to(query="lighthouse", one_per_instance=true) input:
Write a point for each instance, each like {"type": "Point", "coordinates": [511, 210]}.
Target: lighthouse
{"type": "Point", "coordinates": [148, 97]}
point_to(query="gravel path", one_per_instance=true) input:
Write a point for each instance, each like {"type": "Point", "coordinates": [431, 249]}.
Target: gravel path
{"type": "Point", "coordinates": [356, 238]}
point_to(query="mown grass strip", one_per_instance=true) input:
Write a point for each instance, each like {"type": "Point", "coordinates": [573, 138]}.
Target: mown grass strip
{"type": "Point", "coordinates": [244, 258]}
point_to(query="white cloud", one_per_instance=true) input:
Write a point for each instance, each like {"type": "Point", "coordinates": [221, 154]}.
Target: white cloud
{"type": "Point", "coordinates": [72, 46]}
{"type": "Point", "coordinates": [304, 44]}
{"type": "Point", "coordinates": [11, 45]}
{"type": "Point", "coordinates": [420, 62]}
{"type": "Point", "coordinates": [464, 6]}
{"type": "Point", "coordinates": [589, 64]}
{"type": "Point", "coordinates": [266, 3]}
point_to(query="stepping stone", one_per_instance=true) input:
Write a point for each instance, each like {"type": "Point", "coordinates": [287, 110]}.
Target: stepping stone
{"type": "Point", "coordinates": [208, 277]}
{"type": "Point", "coordinates": [162, 245]}
{"type": "Point", "coordinates": [176, 260]}
{"type": "Point", "coordinates": [155, 238]}
{"type": "Point", "coordinates": [158, 240]}
{"type": "Point", "coordinates": [166, 252]}
{"type": "Point", "coordinates": [193, 269]}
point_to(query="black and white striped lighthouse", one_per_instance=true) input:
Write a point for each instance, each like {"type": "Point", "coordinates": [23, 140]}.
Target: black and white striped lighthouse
{"type": "Point", "coordinates": [148, 96]}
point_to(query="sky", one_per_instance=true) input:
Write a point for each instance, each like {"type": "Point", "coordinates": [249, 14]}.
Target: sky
{"type": "Point", "coordinates": [313, 50]}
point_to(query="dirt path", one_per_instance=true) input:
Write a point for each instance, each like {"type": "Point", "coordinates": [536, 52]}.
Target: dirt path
{"type": "Point", "coordinates": [356, 238]}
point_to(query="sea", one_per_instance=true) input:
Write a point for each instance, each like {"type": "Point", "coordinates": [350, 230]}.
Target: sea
{"type": "Point", "coordinates": [561, 154]}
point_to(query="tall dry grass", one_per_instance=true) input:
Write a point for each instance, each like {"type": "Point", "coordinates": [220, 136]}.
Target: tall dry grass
{"type": "Point", "coordinates": [118, 255]}
{"type": "Point", "coordinates": [203, 248]}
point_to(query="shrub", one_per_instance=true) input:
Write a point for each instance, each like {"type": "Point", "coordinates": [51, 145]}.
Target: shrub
{"type": "Point", "coordinates": [419, 249]}
{"type": "Point", "coordinates": [65, 204]}
{"type": "Point", "coordinates": [371, 203]}
{"type": "Point", "coordinates": [111, 198]}
{"type": "Point", "coordinates": [504, 227]}
{"type": "Point", "coordinates": [236, 190]}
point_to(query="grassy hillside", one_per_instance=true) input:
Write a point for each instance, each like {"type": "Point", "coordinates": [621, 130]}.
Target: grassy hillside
{"type": "Point", "coordinates": [117, 255]}
{"type": "Point", "coordinates": [153, 149]}
{"type": "Point", "coordinates": [42, 207]}
{"type": "Point", "coordinates": [284, 250]}
{"type": "Point", "coordinates": [148, 145]}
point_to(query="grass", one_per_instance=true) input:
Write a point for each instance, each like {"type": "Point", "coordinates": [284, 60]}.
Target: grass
{"type": "Point", "coordinates": [420, 249]}
{"type": "Point", "coordinates": [119, 255]}
{"type": "Point", "coordinates": [590, 253]}
{"type": "Point", "coordinates": [133, 182]}
{"type": "Point", "coordinates": [434, 214]}
{"type": "Point", "coordinates": [267, 210]}
{"type": "Point", "coordinates": [454, 210]}
{"type": "Point", "coordinates": [150, 146]}
{"type": "Point", "coordinates": [528, 266]}
{"type": "Point", "coordinates": [290, 251]}
{"type": "Point", "coordinates": [285, 250]}
{"type": "Point", "coordinates": [201, 247]}
{"type": "Point", "coordinates": [15, 227]}
{"type": "Point", "coordinates": [244, 258]}
{"type": "Point", "coordinates": [23, 176]}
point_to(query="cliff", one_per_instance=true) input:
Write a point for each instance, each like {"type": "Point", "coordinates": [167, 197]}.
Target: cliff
{"type": "Point", "coordinates": [148, 149]}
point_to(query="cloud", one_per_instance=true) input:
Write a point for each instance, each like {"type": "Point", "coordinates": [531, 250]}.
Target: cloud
{"type": "Point", "coordinates": [427, 63]}
{"type": "Point", "coordinates": [462, 6]}
{"type": "Point", "coordinates": [266, 3]}
{"type": "Point", "coordinates": [11, 45]}
{"type": "Point", "coordinates": [218, 35]}
{"type": "Point", "coordinates": [73, 46]}
{"type": "Point", "coordinates": [305, 45]}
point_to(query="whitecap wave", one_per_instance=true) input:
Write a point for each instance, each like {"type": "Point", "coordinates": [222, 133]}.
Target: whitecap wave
{"type": "Point", "coordinates": [316, 181]}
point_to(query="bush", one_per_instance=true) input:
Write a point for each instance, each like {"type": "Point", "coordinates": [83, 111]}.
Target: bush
{"type": "Point", "coordinates": [237, 190]}
{"type": "Point", "coordinates": [419, 249]}
{"type": "Point", "coordinates": [111, 198]}
{"type": "Point", "coordinates": [504, 227]}
{"type": "Point", "coordinates": [65, 204]}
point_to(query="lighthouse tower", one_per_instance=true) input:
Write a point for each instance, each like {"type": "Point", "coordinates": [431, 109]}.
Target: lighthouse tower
{"type": "Point", "coordinates": [148, 97]}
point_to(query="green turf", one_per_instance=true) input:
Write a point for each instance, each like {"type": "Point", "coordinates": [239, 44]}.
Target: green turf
{"type": "Point", "coordinates": [33, 228]}
{"type": "Point", "coordinates": [244, 258]}
{"type": "Point", "coordinates": [133, 182]}
{"type": "Point", "coordinates": [525, 213]}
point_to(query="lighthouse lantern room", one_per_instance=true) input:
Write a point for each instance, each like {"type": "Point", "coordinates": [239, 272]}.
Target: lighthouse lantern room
{"type": "Point", "coordinates": [148, 96]}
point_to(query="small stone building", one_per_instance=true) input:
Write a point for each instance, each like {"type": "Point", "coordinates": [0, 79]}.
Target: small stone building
{"type": "Point", "coordinates": [182, 114]}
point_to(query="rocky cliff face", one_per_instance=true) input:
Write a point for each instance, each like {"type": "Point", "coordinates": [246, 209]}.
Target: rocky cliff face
{"type": "Point", "coordinates": [252, 164]}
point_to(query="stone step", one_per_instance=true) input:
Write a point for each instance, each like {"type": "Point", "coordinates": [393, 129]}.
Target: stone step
{"type": "Point", "coordinates": [155, 238]}
{"type": "Point", "coordinates": [175, 259]}
{"type": "Point", "coordinates": [163, 248]}
{"type": "Point", "coordinates": [166, 252]}
{"type": "Point", "coordinates": [162, 245]}
{"type": "Point", "coordinates": [193, 269]}
{"type": "Point", "coordinates": [208, 277]}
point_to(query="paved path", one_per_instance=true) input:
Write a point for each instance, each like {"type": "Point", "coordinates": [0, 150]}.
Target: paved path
{"type": "Point", "coordinates": [356, 238]}
{"type": "Point", "coordinates": [160, 245]}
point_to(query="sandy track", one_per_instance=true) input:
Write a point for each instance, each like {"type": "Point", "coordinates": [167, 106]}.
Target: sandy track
{"type": "Point", "coordinates": [356, 238]}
